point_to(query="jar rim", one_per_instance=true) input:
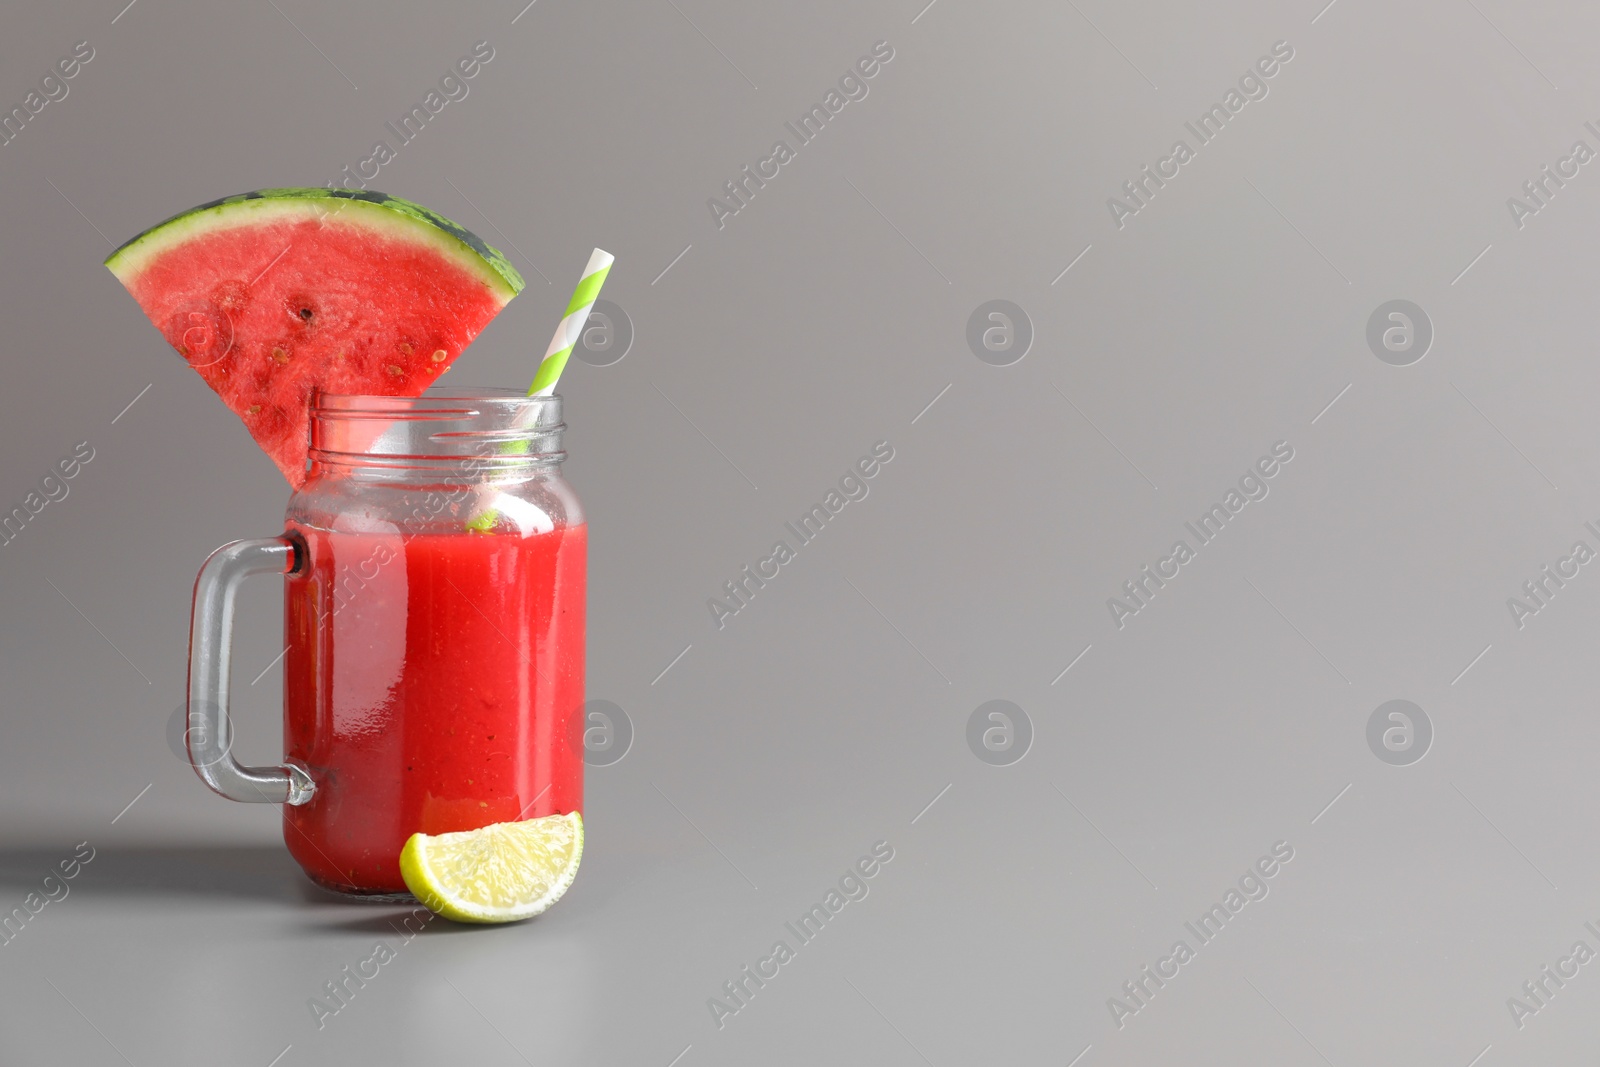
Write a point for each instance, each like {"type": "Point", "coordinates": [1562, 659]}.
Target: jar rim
{"type": "Point", "coordinates": [503, 425]}
{"type": "Point", "coordinates": [434, 400]}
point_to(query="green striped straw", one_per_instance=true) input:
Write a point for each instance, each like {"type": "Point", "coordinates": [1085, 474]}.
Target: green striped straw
{"type": "Point", "coordinates": [571, 328]}
{"type": "Point", "coordinates": [555, 358]}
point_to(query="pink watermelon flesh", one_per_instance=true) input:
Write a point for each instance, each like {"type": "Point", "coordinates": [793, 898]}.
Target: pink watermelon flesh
{"type": "Point", "coordinates": [271, 311]}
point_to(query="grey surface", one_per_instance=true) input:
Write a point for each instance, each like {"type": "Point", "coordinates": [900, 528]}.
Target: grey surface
{"type": "Point", "coordinates": [1230, 714]}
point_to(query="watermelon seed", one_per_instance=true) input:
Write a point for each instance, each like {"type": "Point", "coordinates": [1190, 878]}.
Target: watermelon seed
{"type": "Point", "coordinates": [396, 371]}
{"type": "Point", "coordinates": [280, 355]}
{"type": "Point", "coordinates": [255, 409]}
{"type": "Point", "coordinates": [440, 356]}
{"type": "Point", "coordinates": [405, 349]}
{"type": "Point", "coordinates": [305, 313]}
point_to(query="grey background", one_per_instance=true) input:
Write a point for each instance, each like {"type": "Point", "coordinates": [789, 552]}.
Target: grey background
{"type": "Point", "coordinates": [1228, 715]}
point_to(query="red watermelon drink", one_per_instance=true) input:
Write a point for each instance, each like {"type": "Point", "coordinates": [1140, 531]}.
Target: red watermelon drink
{"type": "Point", "coordinates": [467, 721]}
{"type": "Point", "coordinates": [434, 676]}
{"type": "Point", "coordinates": [435, 557]}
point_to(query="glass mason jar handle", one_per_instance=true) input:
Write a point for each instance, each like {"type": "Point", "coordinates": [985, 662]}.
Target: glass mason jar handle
{"type": "Point", "coordinates": [209, 736]}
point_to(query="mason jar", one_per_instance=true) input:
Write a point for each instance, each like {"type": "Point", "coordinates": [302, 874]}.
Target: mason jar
{"type": "Point", "coordinates": [436, 565]}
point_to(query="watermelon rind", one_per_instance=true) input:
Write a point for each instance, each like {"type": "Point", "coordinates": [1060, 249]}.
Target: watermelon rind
{"type": "Point", "coordinates": [373, 208]}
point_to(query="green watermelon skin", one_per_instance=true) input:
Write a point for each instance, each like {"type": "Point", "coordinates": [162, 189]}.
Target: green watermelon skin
{"type": "Point", "coordinates": [274, 295]}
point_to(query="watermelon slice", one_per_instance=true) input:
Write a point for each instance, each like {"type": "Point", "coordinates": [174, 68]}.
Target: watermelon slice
{"type": "Point", "coordinates": [274, 295]}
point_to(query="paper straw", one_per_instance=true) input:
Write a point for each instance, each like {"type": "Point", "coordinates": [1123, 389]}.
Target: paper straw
{"type": "Point", "coordinates": [485, 513]}
{"type": "Point", "coordinates": [571, 328]}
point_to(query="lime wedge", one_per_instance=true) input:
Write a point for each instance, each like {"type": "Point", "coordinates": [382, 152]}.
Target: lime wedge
{"type": "Point", "coordinates": [498, 874]}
